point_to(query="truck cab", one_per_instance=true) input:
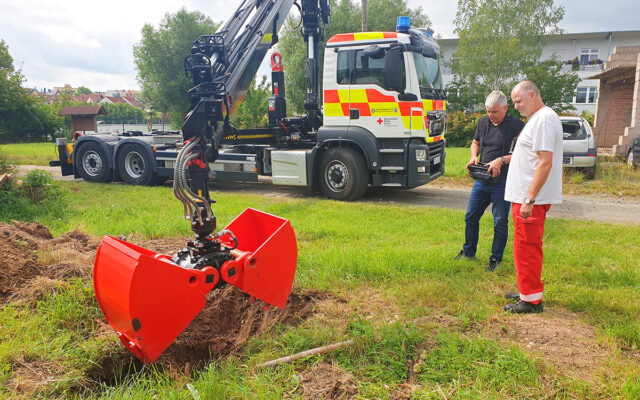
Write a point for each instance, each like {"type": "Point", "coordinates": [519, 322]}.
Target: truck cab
{"type": "Point", "coordinates": [384, 102]}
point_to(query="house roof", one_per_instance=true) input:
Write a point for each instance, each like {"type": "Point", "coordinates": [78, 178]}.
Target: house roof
{"type": "Point", "coordinates": [82, 110]}
{"type": "Point", "coordinates": [569, 36]}
{"type": "Point", "coordinates": [616, 74]}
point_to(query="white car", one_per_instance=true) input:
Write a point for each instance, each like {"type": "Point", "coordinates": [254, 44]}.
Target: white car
{"type": "Point", "coordinates": [579, 145]}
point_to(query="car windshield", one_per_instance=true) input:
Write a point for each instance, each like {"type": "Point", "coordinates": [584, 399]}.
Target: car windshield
{"type": "Point", "coordinates": [429, 76]}
{"type": "Point", "coordinates": [572, 130]}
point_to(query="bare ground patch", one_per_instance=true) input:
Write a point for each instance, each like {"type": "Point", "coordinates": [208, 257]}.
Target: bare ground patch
{"type": "Point", "coordinates": [557, 336]}
{"type": "Point", "coordinates": [327, 381]}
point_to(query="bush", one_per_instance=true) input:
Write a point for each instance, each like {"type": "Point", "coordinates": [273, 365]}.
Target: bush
{"type": "Point", "coordinates": [36, 183]}
{"type": "Point", "coordinates": [38, 198]}
{"type": "Point", "coordinates": [461, 127]}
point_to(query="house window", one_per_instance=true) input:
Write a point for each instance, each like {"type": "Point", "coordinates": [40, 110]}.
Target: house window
{"type": "Point", "coordinates": [587, 55]}
{"type": "Point", "coordinates": [586, 95]}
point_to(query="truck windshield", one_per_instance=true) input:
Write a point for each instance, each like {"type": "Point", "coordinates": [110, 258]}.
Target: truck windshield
{"type": "Point", "coordinates": [429, 77]}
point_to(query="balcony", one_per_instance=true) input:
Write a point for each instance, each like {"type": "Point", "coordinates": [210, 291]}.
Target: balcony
{"type": "Point", "coordinates": [594, 66]}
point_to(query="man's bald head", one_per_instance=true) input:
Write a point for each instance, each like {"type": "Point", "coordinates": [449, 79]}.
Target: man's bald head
{"type": "Point", "coordinates": [528, 86]}
{"type": "Point", "coordinates": [526, 98]}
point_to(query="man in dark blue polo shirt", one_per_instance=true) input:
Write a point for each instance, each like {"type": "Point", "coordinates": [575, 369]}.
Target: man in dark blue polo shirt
{"type": "Point", "coordinates": [491, 145]}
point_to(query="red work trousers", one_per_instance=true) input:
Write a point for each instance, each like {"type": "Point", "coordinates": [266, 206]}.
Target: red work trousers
{"type": "Point", "coordinates": [527, 251]}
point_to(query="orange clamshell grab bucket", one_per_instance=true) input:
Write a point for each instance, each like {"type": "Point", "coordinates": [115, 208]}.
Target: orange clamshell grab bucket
{"type": "Point", "coordinates": [149, 300]}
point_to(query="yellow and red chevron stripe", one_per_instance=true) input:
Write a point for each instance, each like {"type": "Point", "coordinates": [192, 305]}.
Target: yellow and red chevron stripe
{"type": "Point", "coordinates": [352, 37]}
{"type": "Point", "coordinates": [372, 103]}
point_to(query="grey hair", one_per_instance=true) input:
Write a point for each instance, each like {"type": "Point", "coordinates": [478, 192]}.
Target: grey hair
{"type": "Point", "coordinates": [495, 98]}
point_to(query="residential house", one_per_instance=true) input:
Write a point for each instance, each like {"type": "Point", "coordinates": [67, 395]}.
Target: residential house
{"type": "Point", "coordinates": [581, 52]}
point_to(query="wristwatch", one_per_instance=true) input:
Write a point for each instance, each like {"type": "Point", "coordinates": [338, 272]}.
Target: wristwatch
{"type": "Point", "coordinates": [529, 201]}
{"type": "Point", "coordinates": [504, 160]}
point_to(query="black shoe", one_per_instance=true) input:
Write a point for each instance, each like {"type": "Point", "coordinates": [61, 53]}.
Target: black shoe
{"type": "Point", "coordinates": [524, 307]}
{"type": "Point", "coordinates": [461, 254]}
{"type": "Point", "coordinates": [512, 295]}
{"type": "Point", "coordinates": [492, 265]}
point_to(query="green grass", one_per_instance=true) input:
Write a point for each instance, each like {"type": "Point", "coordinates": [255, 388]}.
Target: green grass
{"type": "Point", "coordinates": [30, 153]}
{"type": "Point", "coordinates": [613, 177]}
{"type": "Point", "coordinates": [402, 254]}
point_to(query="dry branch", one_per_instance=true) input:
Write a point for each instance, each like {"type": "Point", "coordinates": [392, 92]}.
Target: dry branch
{"type": "Point", "coordinates": [306, 353]}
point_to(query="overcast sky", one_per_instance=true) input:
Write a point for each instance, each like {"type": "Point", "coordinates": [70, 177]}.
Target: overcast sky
{"type": "Point", "coordinates": [89, 43]}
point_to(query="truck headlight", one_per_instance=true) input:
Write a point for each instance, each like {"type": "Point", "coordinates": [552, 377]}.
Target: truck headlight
{"type": "Point", "coordinates": [421, 155]}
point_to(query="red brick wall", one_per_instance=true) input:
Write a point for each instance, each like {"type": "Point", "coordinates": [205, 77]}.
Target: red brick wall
{"type": "Point", "coordinates": [618, 114]}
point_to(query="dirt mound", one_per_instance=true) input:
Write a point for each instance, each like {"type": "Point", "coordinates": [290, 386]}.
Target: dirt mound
{"type": "Point", "coordinates": [29, 251]}
{"type": "Point", "coordinates": [228, 321]}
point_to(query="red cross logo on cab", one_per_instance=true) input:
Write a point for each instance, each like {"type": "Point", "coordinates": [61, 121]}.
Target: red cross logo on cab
{"type": "Point", "coordinates": [379, 121]}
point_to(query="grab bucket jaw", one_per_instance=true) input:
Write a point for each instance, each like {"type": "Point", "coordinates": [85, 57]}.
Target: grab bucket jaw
{"type": "Point", "coordinates": [149, 300]}
{"type": "Point", "coordinates": [266, 256]}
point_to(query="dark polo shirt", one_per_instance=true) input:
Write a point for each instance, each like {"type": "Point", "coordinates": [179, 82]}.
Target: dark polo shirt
{"type": "Point", "coordinates": [495, 141]}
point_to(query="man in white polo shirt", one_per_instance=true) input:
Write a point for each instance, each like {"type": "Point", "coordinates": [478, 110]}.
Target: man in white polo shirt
{"type": "Point", "coordinates": [534, 182]}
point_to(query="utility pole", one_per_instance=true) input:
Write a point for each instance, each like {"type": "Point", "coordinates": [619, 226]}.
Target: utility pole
{"type": "Point", "coordinates": [364, 15]}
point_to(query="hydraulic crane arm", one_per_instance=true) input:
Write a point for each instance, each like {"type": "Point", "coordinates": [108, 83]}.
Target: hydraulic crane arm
{"type": "Point", "coordinates": [223, 65]}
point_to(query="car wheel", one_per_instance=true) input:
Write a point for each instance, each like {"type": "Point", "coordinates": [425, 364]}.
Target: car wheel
{"type": "Point", "coordinates": [343, 174]}
{"type": "Point", "coordinates": [591, 172]}
{"type": "Point", "coordinates": [91, 162]}
{"type": "Point", "coordinates": [135, 165]}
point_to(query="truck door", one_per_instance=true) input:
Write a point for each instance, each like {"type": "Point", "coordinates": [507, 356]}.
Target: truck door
{"type": "Point", "coordinates": [336, 82]}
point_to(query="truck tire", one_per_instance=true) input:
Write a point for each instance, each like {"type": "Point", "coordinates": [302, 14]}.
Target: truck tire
{"type": "Point", "coordinates": [92, 163]}
{"type": "Point", "coordinates": [343, 174]}
{"type": "Point", "coordinates": [134, 164]}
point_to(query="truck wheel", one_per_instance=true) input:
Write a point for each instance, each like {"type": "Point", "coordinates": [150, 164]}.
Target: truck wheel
{"type": "Point", "coordinates": [135, 165]}
{"type": "Point", "coordinates": [92, 163]}
{"type": "Point", "coordinates": [343, 174]}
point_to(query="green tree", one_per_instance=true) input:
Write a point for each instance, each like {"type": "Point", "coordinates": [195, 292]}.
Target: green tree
{"type": "Point", "coordinates": [83, 90]}
{"type": "Point", "coordinates": [345, 17]}
{"type": "Point", "coordinates": [123, 112]}
{"type": "Point", "coordinates": [253, 112]}
{"type": "Point", "coordinates": [23, 116]}
{"type": "Point", "coordinates": [556, 87]}
{"type": "Point", "coordinates": [159, 59]}
{"type": "Point", "coordinates": [499, 40]}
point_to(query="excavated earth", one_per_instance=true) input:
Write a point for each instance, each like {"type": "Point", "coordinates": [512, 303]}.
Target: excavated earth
{"type": "Point", "coordinates": [34, 263]}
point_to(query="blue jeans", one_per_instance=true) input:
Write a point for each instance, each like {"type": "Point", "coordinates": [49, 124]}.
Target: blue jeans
{"type": "Point", "coordinates": [481, 196]}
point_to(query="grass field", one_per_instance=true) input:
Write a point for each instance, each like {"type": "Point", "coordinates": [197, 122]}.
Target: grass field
{"type": "Point", "coordinates": [29, 153]}
{"type": "Point", "coordinates": [425, 326]}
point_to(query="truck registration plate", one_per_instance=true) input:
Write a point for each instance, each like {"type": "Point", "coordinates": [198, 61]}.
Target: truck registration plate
{"type": "Point", "coordinates": [436, 160]}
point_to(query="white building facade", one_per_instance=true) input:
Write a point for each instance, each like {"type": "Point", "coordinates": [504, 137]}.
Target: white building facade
{"type": "Point", "coordinates": [584, 53]}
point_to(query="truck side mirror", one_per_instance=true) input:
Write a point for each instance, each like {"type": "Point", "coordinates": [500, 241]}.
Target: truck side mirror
{"type": "Point", "coordinates": [374, 52]}
{"type": "Point", "coordinates": [394, 69]}
{"type": "Point", "coordinates": [429, 51]}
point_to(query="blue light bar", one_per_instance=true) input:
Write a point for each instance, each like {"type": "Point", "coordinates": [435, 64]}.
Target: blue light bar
{"type": "Point", "coordinates": [404, 23]}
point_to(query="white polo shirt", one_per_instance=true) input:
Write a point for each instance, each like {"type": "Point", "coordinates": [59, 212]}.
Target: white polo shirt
{"type": "Point", "coordinates": [543, 132]}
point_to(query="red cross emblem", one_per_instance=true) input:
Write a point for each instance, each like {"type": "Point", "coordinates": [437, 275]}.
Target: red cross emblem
{"type": "Point", "coordinates": [379, 121]}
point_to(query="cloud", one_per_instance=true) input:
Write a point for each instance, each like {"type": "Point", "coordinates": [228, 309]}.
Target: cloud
{"type": "Point", "coordinates": [91, 43]}
{"type": "Point", "coordinates": [83, 42]}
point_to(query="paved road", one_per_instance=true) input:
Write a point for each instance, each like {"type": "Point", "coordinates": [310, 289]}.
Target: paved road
{"type": "Point", "coordinates": [592, 208]}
